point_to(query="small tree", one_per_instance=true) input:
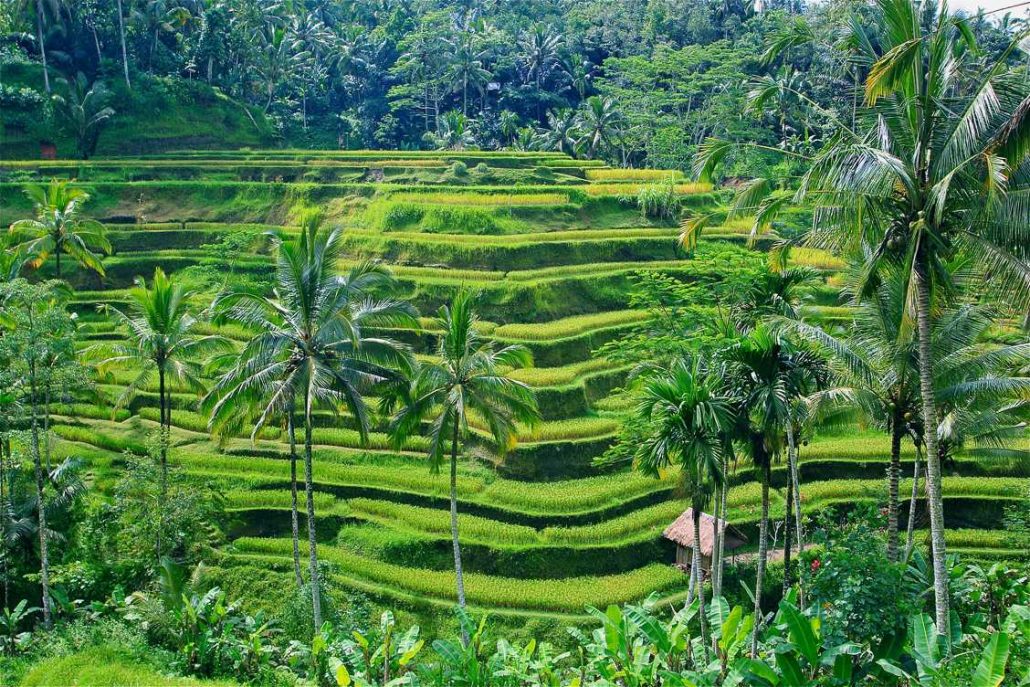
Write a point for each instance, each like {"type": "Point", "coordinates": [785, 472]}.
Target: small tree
{"type": "Point", "coordinates": [39, 337]}
{"type": "Point", "coordinates": [85, 111]}
{"type": "Point", "coordinates": [59, 227]}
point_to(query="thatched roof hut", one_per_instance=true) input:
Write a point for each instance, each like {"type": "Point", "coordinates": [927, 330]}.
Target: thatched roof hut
{"type": "Point", "coordinates": [682, 533]}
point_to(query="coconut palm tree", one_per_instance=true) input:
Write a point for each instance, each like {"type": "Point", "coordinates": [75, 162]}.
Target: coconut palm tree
{"type": "Point", "coordinates": [876, 372]}
{"type": "Point", "coordinates": [935, 167]}
{"type": "Point", "coordinates": [85, 110]}
{"type": "Point", "coordinates": [687, 418]}
{"type": "Point", "coordinates": [312, 348]}
{"type": "Point", "coordinates": [163, 339]}
{"type": "Point", "coordinates": [600, 125]}
{"type": "Point", "coordinates": [466, 384]}
{"type": "Point", "coordinates": [59, 227]}
{"type": "Point", "coordinates": [767, 374]}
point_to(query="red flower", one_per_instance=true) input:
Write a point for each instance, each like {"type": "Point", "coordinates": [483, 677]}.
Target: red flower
{"type": "Point", "coordinates": [815, 564]}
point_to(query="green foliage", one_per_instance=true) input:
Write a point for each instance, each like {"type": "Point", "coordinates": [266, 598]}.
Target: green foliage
{"type": "Point", "coordinates": [864, 597]}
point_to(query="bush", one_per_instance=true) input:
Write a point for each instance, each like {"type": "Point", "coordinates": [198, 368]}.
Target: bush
{"type": "Point", "coordinates": [863, 597]}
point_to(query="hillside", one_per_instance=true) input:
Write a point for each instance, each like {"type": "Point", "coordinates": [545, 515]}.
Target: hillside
{"type": "Point", "coordinates": [552, 245]}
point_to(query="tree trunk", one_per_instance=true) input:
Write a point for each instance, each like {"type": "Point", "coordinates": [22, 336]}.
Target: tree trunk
{"type": "Point", "coordinates": [57, 257]}
{"type": "Point", "coordinates": [787, 534]}
{"type": "Point", "coordinates": [763, 550]}
{"type": "Point", "coordinates": [46, 427]}
{"type": "Point", "coordinates": [309, 492]}
{"type": "Point", "coordinates": [3, 524]}
{"type": "Point", "coordinates": [934, 500]}
{"type": "Point", "coordinates": [717, 575]}
{"type": "Point", "coordinates": [294, 514]}
{"type": "Point", "coordinates": [44, 558]}
{"type": "Point", "coordinates": [893, 478]}
{"type": "Point", "coordinates": [454, 525]}
{"type": "Point", "coordinates": [42, 43]}
{"type": "Point", "coordinates": [794, 469]}
{"type": "Point", "coordinates": [96, 43]}
{"type": "Point", "coordinates": [910, 538]}
{"type": "Point", "coordinates": [125, 58]}
{"type": "Point", "coordinates": [162, 456]}
{"type": "Point", "coordinates": [700, 581]}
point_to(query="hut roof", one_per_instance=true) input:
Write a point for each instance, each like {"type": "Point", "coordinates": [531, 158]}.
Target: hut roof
{"type": "Point", "coordinates": [682, 532]}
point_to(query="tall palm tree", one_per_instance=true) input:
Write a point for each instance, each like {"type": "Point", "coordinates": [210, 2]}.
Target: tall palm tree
{"type": "Point", "coordinates": [163, 339]}
{"type": "Point", "coordinates": [467, 382]}
{"type": "Point", "coordinates": [312, 348]}
{"type": "Point", "coordinates": [687, 418]}
{"type": "Point", "coordinates": [59, 227]}
{"type": "Point", "coordinates": [936, 166]}
{"type": "Point", "coordinates": [767, 375]}
{"type": "Point", "coordinates": [876, 371]}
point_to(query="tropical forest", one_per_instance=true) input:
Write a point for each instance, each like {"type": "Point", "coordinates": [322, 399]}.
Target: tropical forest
{"type": "Point", "coordinates": [514, 343]}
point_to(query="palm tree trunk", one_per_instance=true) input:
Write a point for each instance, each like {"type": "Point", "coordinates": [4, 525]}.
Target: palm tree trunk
{"type": "Point", "coordinates": [3, 523]}
{"type": "Point", "coordinates": [934, 499]}
{"type": "Point", "coordinates": [719, 567]}
{"type": "Point", "coordinates": [910, 534]}
{"type": "Point", "coordinates": [162, 455]}
{"type": "Point", "coordinates": [763, 551]}
{"type": "Point", "coordinates": [794, 468]}
{"type": "Point", "coordinates": [294, 515]}
{"type": "Point", "coordinates": [787, 534]}
{"type": "Point", "coordinates": [46, 426]}
{"type": "Point", "coordinates": [121, 32]}
{"type": "Point", "coordinates": [454, 525]}
{"type": "Point", "coordinates": [96, 42]}
{"type": "Point", "coordinates": [893, 478]}
{"type": "Point", "coordinates": [44, 558]}
{"type": "Point", "coordinates": [692, 580]}
{"type": "Point", "coordinates": [57, 256]}
{"type": "Point", "coordinates": [42, 43]}
{"type": "Point", "coordinates": [309, 492]}
{"type": "Point", "coordinates": [700, 581]}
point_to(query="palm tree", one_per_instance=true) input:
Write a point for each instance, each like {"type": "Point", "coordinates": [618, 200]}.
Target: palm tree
{"type": "Point", "coordinates": [687, 420]}
{"type": "Point", "coordinates": [466, 67]}
{"type": "Point", "coordinates": [767, 374]}
{"type": "Point", "coordinates": [85, 111]}
{"type": "Point", "coordinates": [59, 227]}
{"type": "Point", "coordinates": [599, 125]}
{"type": "Point", "coordinates": [936, 167]}
{"type": "Point", "coordinates": [312, 348]}
{"type": "Point", "coordinates": [453, 132]}
{"type": "Point", "coordinates": [163, 339]}
{"type": "Point", "coordinates": [466, 383]}
{"type": "Point", "coordinates": [561, 131]}
{"type": "Point", "coordinates": [876, 368]}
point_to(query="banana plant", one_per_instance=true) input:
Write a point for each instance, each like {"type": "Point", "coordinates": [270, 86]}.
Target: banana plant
{"type": "Point", "coordinates": [800, 659]}
{"type": "Point", "coordinates": [383, 659]}
{"type": "Point", "coordinates": [11, 640]}
{"type": "Point", "coordinates": [533, 664]}
{"type": "Point", "coordinates": [462, 662]}
{"type": "Point", "coordinates": [926, 649]}
{"type": "Point", "coordinates": [632, 648]}
{"type": "Point", "coordinates": [732, 630]}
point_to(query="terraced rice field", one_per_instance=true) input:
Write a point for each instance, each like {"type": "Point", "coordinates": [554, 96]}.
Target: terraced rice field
{"type": "Point", "coordinates": [553, 246]}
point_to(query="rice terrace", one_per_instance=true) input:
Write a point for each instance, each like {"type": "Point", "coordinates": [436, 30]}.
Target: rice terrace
{"type": "Point", "coordinates": [495, 398]}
